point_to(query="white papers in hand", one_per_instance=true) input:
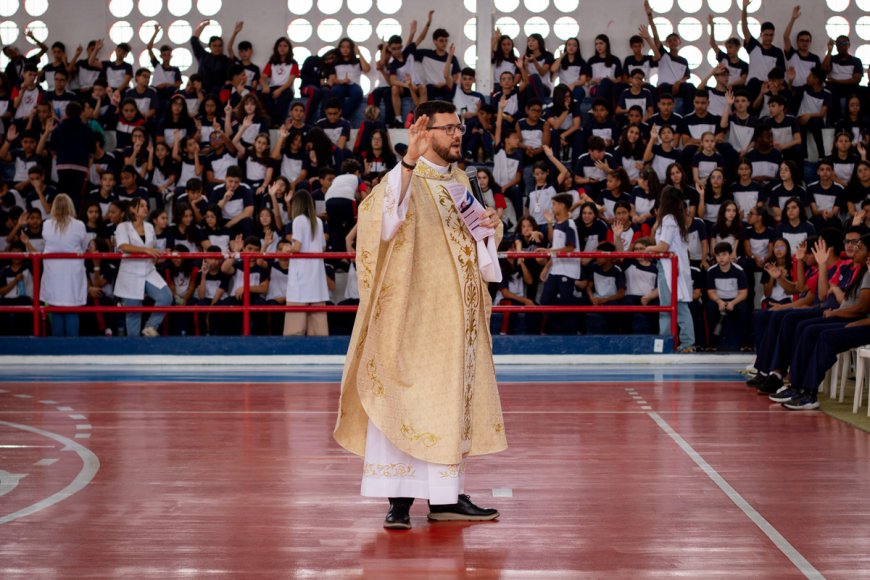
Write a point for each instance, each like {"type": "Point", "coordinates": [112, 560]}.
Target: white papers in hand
{"type": "Point", "coordinates": [470, 210]}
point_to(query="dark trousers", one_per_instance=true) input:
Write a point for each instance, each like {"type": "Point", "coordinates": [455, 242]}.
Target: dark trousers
{"type": "Point", "coordinates": [72, 183]}
{"type": "Point", "coordinates": [766, 347]}
{"type": "Point", "coordinates": [808, 333]}
{"type": "Point", "coordinates": [559, 290]}
{"type": "Point", "coordinates": [813, 127]}
{"type": "Point", "coordinates": [735, 323]}
{"type": "Point", "coordinates": [785, 342]}
{"type": "Point", "coordinates": [637, 322]}
{"type": "Point", "coordinates": [830, 341]}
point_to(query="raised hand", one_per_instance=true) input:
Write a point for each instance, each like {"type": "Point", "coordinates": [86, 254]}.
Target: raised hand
{"type": "Point", "coordinates": [418, 139]}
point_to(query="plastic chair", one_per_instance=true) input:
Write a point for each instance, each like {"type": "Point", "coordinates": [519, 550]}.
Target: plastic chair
{"type": "Point", "coordinates": [862, 357]}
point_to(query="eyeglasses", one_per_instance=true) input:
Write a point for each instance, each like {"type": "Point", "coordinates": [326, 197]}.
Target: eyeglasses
{"type": "Point", "coordinates": [450, 130]}
{"type": "Point", "coordinates": [852, 242]}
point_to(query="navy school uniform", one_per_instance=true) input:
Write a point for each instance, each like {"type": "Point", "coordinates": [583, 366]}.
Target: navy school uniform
{"type": "Point", "coordinates": [802, 65]}
{"type": "Point", "coordinates": [741, 131]}
{"type": "Point", "coordinates": [609, 201]}
{"type": "Point", "coordinates": [559, 286]}
{"type": "Point", "coordinates": [335, 131]}
{"type": "Point", "coordinates": [187, 170]}
{"type": "Point", "coordinates": [747, 196]}
{"type": "Point", "coordinates": [99, 165]}
{"type": "Point", "coordinates": [607, 130]}
{"type": "Point", "coordinates": [94, 196]}
{"type": "Point", "coordinates": [259, 125]}
{"type": "Point", "coordinates": [778, 294]}
{"type": "Point", "coordinates": [783, 131]}
{"type": "Point", "coordinates": [794, 235]}
{"type": "Point", "coordinates": [116, 73]}
{"type": "Point", "coordinates": [213, 322]}
{"type": "Point", "coordinates": [826, 199]}
{"type": "Point", "coordinates": [674, 121]}
{"type": "Point", "coordinates": [662, 159]}
{"type": "Point", "coordinates": [696, 307]}
{"type": "Point", "coordinates": [243, 198]}
{"type": "Point", "coordinates": [604, 285]}
{"type": "Point", "coordinates": [697, 233]}
{"type": "Point", "coordinates": [219, 236]}
{"type": "Point", "coordinates": [31, 199]}
{"type": "Point", "coordinates": [707, 163]}
{"type": "Point", "coordinates": [712, 205]}
{"type": "Point", "coordinates": [640, 280]}
{"type": "Point", "coordinates": [59, 102]}
{"type": "Point", "coordinates": [779, 195]}
{"type": "Point", "coordinates": [468, 102]}
{"type": "Point", "coordinates": [585, 166]}
{"type": "Point", "coordinates": [735, 69]}
{"type": "Point", "coordinates": [646, 64]}
{"type": "Point", "coordinates": [219, 163]}
{"type": "Point", "coordinates": [844, 168]}
{"type": "Point", "coordinates": [145, 101]}
{"type": "Point", "coordinates": [641, 201]}
{"type": "Point", "coordinates": [630, 164]}
{"type": "Point", "coordinates": [695, 125]}
{"type": "Point", "coordinates": [762, 60]}
{"type": "Point", "coordinates": [432, 66]}
{"type": "Point", "coordinates": [759, 243]}
{"type": "Point", "coordinates": [121, 193]}
{"type": "Point", "coordinates": [254, 169]}
{"type": "Point", "coordinates": [592, 235]}
{"type": "Point", "coordinates": [23, 163]}
{"type": "Point", "coordinates": [727, 286]}
{"type": "Point", "coordinates": [628, 99]}
{"type": "Point", "coordinates": [765, 165]}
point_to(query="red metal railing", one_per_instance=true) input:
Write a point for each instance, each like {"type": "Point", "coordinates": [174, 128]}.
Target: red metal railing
{"type": "Point", "coordinates": [39, 310]}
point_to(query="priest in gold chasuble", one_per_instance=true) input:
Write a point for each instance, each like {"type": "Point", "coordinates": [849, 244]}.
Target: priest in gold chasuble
{"type": "Point", "coordinates": [418, 392]}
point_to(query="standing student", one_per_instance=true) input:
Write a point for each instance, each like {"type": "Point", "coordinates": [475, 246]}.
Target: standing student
{"type": "Point", "coordinates": [138, 277]}
{"type": "Point", "coordinates": [563, 272]}
{"type": "Point", "coordinates": [63, 281]}
{"type": "Point", "coordinates": [671, 236]}
{"type": "Point", "coordinates": [306, 278]}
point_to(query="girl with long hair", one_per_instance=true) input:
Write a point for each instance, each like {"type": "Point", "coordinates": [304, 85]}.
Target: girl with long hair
{"type": "Point", "coordinates": [670, 235]}
{"type": "Point", "coordinates": [794, 227]}
{"type": "Point", "coordinates": [571, 69]}
{"type": "Point", "coordinates": [504, 59]}
{"type": "Point", "coordinates": [537, 61]}
{"type": "Point", "coordinates": [604, 69]}
{"type": "Point", "coordinates": [791, 184]}
{"type": "Point", "coordinates": [276, 82]}
{"type": "Point", "coordinates": [776, 280]}
{"type": "Point", "coordinates": [306, 279]}
{"type": "Point", "coordinates": [344, 77]}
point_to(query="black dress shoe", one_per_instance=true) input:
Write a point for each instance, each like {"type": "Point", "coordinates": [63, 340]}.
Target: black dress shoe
{"type": "Point", "coordinates": [756, 381]}
{"type": "Point", "coordinates": [770, 386]}
{"type": "Point", "coordinates": [462, 510]}
{"type": "Point", "coordinates": [398, 516]}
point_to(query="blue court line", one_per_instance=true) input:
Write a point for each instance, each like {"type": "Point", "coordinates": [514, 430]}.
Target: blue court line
{"type": "Point", "coordinates": [332, 374]}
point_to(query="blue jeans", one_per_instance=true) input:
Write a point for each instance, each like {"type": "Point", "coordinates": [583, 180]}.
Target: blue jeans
{"type": "Point", "coordinates": [684, 316]}
{"type": "Point", "coordinates": [161, 297]}
{"type": "Point", "coordinates": [351, 96]}
{"type": "Point", "coordinates": [64, 324]}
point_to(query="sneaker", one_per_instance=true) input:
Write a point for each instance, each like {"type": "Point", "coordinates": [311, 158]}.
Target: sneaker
{"type": "Point", "coordinates": [756, 381]}
{"type": "Point", "coordinates": [784, 395]}
{"type": "Point", "coordinates": [108, 332]}
{"type": "Point", "coordinates": [805, 402]}
{"type": "Point", "coordinates": [770, 386]}
{"type": "Point", "coordinates": [150, 331]}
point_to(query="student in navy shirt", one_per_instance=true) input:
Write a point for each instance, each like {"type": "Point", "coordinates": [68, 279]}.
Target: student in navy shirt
{"type": "Point", "coordinates": [636, 94]}
{"type": "Point", "coordinates": [592, 168]}
{"type": "Point", "coordinates": [813, 101]}
{"type": "Point", "coordinates": [440, 67]}
{"type": "Point", "coordinates": [737, 68]}
{"type": "Point", "coordinates": [794, 227]}
{"type": "Point", "coordinates": [563, 272]}
{"type": "Point", "coordinates": [758, 240]}
{"type": "Point", "coordinates": [336, 127]}
{"type": "Point", "coordinates": [571, 70]}
{"type": "Point", "coordinates": [603, 70]}
{"type": "Point", "coordinates": [510, 93]}
{"type": "Point", "coordinates": [746, 191]}
{"type": "Point", "coordinates": [60, 97]}
{"type": "Point", "coordinates": [763, 56]}
{"type": "Point", "coordinates": [166, 78]}
{"type": "Point", "coordinates": [600, 124]}
{"type": "Point", "coordinates": [673, 69]}
{"type": "Point", "coordinates": [535, 67]}
{"type": "Point", "coordinates": [119, 73]}
{"type": "Point", "coordinates": [606, 286]}
{"type": "Point", "coordinates": [466, 100]}
{"type": "Point", "coordinates": [258, 282]}
{"type": "Point", "coordinates": [826, 198]}
{"type": "Point", "coordinates": [129, 188]}
{"type": "Point", "coordinates": [800, 59]}
{"type": "Point", "coordinates": [236, 201]}
{"type": "Point", "coordinates": [641, 289]}
{"type": "Point", "coordinates": [844, 73]}
{"type": "Point", "coordinates": [663, 154]}
{"type": "Point", "coordinates": [790, 185]}
{"type": "Point", "coordinates": [401, 71]}
{"type": "Point", "coordinates": [23, 158]}
{"type": "Point", "coordinates": [638, 60]}
{"type": "Point", "coordinates": [727, 291]}
{"type": "Point", "coordinates": [764, 158]}
{"type": "Point", "coordinates": [667, 117]}
{"type": "Point", "coordinates": [844, 158]}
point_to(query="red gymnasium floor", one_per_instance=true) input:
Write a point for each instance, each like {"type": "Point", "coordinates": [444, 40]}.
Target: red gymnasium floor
{"type": "Point", "coordinates": [638, 478]}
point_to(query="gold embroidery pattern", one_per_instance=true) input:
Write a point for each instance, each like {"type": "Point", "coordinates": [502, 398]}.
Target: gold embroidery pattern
{"type": "Point", "coordinates": [467, 260]}
{"type": "Point", "coordinates": [383, 296]}
{"type": "Point", "coordinates": [401, 236]}
{"type": "Point", "coordinates": [426, 172]}
{"type": "Point", "coordinates": [388, 471]}
{"type": "Point", "coordinates": [366, 205]}
{"type": "Point", "coordinates": [390, 200]}
{"type": "Point", "coordinates": [426, 439]}
{"type": "Point", "coordinates": [377, 387]}
{"type": "Point", "coordinates": [366, 274]}
{"type": "Point", "coordinates": [452, 471]}
{"type": "Point", "coordinates": [498, 427]}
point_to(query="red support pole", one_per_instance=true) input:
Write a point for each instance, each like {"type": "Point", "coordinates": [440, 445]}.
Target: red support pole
{"type": "Point", "coordinates": [37, 282]}
{"type": "Point", "coordinates": [675, 295]}
{"type": "Point", "coordinates": [246, 296]}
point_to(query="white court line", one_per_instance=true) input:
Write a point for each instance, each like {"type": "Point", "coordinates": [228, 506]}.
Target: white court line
{"type": "Point", "coordinates": [778, 539]}
{"type": "Point", "coordinates": [78, 417]}
{"type": "Point", "coordinates": [90, 466]}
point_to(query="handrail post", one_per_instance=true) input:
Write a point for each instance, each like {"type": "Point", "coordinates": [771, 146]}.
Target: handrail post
{"type": "Point", "coordinates": [246, 295]}
{"type": "Point", "coordinates": [37, 282]}
{"type": "Point", "coordinates": [675, 298]}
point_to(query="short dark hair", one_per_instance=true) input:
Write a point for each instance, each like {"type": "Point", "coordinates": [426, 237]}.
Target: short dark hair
{"type": "Point", "coordinates": [833, 238]}
{"type": "Point", "coordinates": [252, 241]}
{"type": "Point", "coordinates": [440, 33]}
{"type": "Point", "coordinates": [245, 45]}
{"type": "Point", "coordinates": [722, 248]}
{"type": "Point", "coordinates": [666, 97]}
{"type": "Point", "coordinates": [395, 39]}
{"type": "Point", "coordinates": [193, 184]}
{"type": "Point", "coordinates": [776, 99]}
{"type": "Point", "coordinates": [141, 70]}
{"type": "Point", "coordinates": [468, 72]}
{"type": "Point", "coordinates": [703, 94]}
{"type": "Point", "coordinates": [235, 70]}
{"type": "Point", "coordinates": [36, 170]}
{"type": "Point", "coordinates": [432, 108]}
{"type": "Point", "coordinates": [767, 26]}
{"type": "Point", "coordinates": [777, 73]}
{"type": "Point", "coordinates": [596, 143]}
{"type": "Point", "coordinates": [332, 103]}
{"type": "Point", "coordinates": [234, 171]}
{"type": "Point", "coordinates": [606, 247]}
{"type": "Point", "coordinates": [350, 166]}
{"type": "Point", "coordinates": [123, 46]}
{"type": "Point", "coordinates": [636, 39]}
{"type": "Point", "coordinates": [599, 102]}
{"type": "Point", "coordinates": [326, 172]}
{"type": "Point", "coordinates": [563, 198]}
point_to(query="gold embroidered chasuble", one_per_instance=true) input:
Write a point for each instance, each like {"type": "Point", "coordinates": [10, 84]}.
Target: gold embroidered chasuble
{"type": "Point", "coordinates": [419, 365]}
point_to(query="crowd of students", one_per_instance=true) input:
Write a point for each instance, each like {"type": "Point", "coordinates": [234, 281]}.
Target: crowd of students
{"type": "Point", "coordinates": [574, 154]}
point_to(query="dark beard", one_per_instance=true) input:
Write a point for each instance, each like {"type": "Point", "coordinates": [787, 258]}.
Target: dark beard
{"type": "Point", "coordinates": [446, 154]}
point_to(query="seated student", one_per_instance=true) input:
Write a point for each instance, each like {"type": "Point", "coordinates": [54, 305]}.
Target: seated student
{"type": "Point", "coordinates": [513, 289]}
{"type": "Point", "coordinates": [666, 117]}
{"type": "Point", "coordinates": [277, 291]}
{"type": "Point", "coordinates": [258, 281]}
{"type": "Point", "coordinates": [97, 104]}
{"type": "Point", "coordinates": [159, 219]}
{"type": "Point", "coordinates": [540, 195]}
{"type": "Point", "coordinates": [699, 122]}
{"type": "Point", "coordinates": [129, 119]}
{"type": "Point", "coordinates": [276, 83]}
{"type": "Point", "coordinates": [236, 202]}
{"type": "Point", "coordinates": [101, 276]}
{"type": "Point", "coordinates": [185, 153]}
{"type": "Point", "coordinates": [844, 158]}
{"type": "Point", "coordinates": [59, 97]}
{"type": "Point", "coordinates": [16, 289]}
{"type": "Point", "coordinates": [115, 215]}
{"type": "Point", "coordinates": [175, 123]}
{"type": "Point", "coordinates": [248, 120]}
{"type": "Point", "coordinates": [697, 242]}
{"type": "Point", "coordinates": [592, 168]}
{"type": "Point", "coordinates": [705, 161]}
{"type": "Point", "coordinates": [183, 231]}
{"type": "Point", "coordinates": [662, 154]}
{"type": "Point", "coordinates": [786, 130]}
{"type": "Point", "coordinates": [600, 125]}
{"type": "Point", "coordinates": [563, 272]}
{"type": "Point", "coordinates": [727, 291]}
{"type": "Point", "coordinates": [853, 122]}
{"type": "Point", "coordinates": [775, 87]}
{"type": "Point", "coordinates": [333, 125]}
{"type": "Point", "coordinates": [644, 198]}
{"type": "Point", "coordinates": [213, 232]}
{"type": "Point", "coordinates": [716, 192]}
{"type": "Point", "coordinates": [37, 193]}
{"type": "Point", "coordinates": [290, 156]}
{"type": "Point", "coordinates": [603, 70]}
{"type": "Point", "coordinates": [93, 218]}
{"type": "Point", "coordinates": [814, 102]}
{"type": "Point", "coordinates": [534, 135]}
{"type": "Point", "coordinates": [678, 178]}
{"type": "Point", "coordinates": [182, 276]}
{"type": "Point", "coordinates": [104, 195]}
{"type": "Point", "coordinates": [477, 143]}
{"type": "Point", "coordinates": [606, 287]}
{"type": "Point", "coordinates": [161, 174]}
{"type": "Point", "coordinates": [591, 230]}
{"type": "Point", "coordinates": [803, 393]}
{"type": "Point", "coordinates": [256, 163]}
{"type": "Point", "coordinates": [193, 195]}
{"type": "Point", "coordinates": [859, 188]}
{"type": "Point", "coordinates": [615, 191]}
{"type": "Point", "coordinates": [697, 307]}
{"type": "Point", "coordinates": [166, 79]}
{"type": "Point", "coordinates": [758, 239]}
{"type": "Point", "coordinates": [129, 188]}
{"type": "Point", "coordinates": [740, 123]}
{"type": "Point", "coordinates": [636, 95]}
{"type": "Point", "coordinates": [777, 280]}
{"type": "Point", "coordinates": [764, 157]}
{"type": "Point", "coordinates": [728, 228]}
{"type": "Point", "coordinates": [466, 100]}
{"type": "Point", "coordinates": [507, 166]}
{"type": "Point", "coordinates": [564, 117]}
{"type": "Point", "coordinates": [630, 151]}
{"type": "Point", "coordinates": [212, 290]}
{"type": "Point", "coordinates": [826, 198]}
{"type": "Point", "coordinates": [144, 96]}
{"type": "Point", "coordinates": [223, 155]}
{"type": "Point", "coordinates": [510, 93]}
{"type": "Point", "coordinates": [623, 233]}
{"type": "Point", "coordinates": [23, 158]}
{"type": "Point", "coordinates": [791, 184]}
{"type": "Point", "coordinates": [747, 193]}
{"type": "Point", "coordinates": [861, 220]}
{"type": "Point", "coordinates": [641, 289]}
